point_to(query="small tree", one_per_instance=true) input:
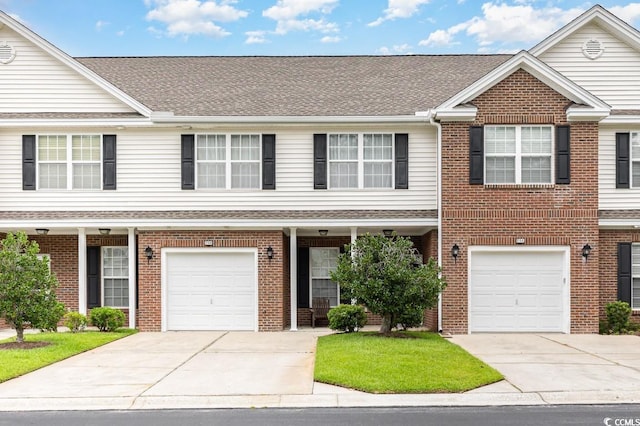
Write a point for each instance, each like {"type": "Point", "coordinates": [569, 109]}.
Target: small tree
{"type": "Point", "coordinates": [27, 288]}
{"type": "Point", "coordinates": [387, 276]}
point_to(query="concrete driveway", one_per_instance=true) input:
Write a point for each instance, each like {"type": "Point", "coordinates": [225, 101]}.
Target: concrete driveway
{"type": "Point", "coordinates": [244, 369]}
{"type": "Point", "coordinates": [558, 367]}
{"type": "Point", "coordinates": [149, 368]}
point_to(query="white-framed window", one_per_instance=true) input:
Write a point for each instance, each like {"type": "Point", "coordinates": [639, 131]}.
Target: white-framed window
{"type": "Point", "coordinates": [360, 160]}
{"type": "Point", "coordinates": [635, 276]}
{"type": "Point", "coordinates": [518, 154]}
{"type": "Point", "coordinates": [115, 276]}
{"type": "Point", "coordinates": [228, 161]}
{"type": "Point", "coordinates": [323, 260]}
{"type": "Point", "coordinates": [635, 160]}
{"type": "Point", "coordinates": [69, 161]}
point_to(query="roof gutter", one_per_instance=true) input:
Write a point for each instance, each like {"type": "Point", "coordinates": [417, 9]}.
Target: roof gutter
{"type": "Point", "coordinates": [168, 118]}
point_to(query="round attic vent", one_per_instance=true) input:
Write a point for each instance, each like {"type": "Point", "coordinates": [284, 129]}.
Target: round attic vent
{"type": "Point", "coordinates": [592, 48]}
{"type": "Point", "coordinates": [7, 52]}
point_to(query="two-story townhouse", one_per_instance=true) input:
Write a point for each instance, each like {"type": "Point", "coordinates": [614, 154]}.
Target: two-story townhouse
{"type": "Point", "coordinates": [204, 193]}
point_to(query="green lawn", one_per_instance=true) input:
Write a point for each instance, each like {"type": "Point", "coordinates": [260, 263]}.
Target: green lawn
{"type": "Point", "coordinates": [426, 363]}
{"type": "Point", "coordinates": [16, 362]}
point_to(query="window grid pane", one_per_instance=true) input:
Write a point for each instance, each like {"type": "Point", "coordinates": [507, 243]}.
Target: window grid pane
{"type": "Point", "coordinates": [115, 272]}
{"type": "Point", "coordinates": [323, 261]}
{"type": "Point", "coordinates": [245, 161]}
{"type": "Point", "coordinates": [536, 169]}
{"type": "Point", "coordinates": [210, 158]}
{"type": "Point", "coordinates": [86, 176]}
{"type": "Point", "coordinates": [343, 175]}
{"type": "Point", "coordinates": [500, 140]}
{"type": "Point", "coordinates": [52, 176]}
{"type": "Point", "coordinates": [501, 170]}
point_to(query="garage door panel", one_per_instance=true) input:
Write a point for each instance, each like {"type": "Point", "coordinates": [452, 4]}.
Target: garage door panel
{"type": "Point", "coordinates": [520, 291]}
{"type": "Point", "coordinates": [211, 291]}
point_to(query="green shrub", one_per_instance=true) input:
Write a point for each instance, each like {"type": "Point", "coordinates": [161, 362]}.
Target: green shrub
{"type": "Point", "coordinates": [106, 318]}
{"type": "Point", "coordinates": [48, 321]}
{"type": "Point", "coordinates": [347, 318]}
{"type": "Point", "coordinates": [411, 318]}
{"type": "Point", "coordinates": [618, 314]}
{"type": "Point", "coordinates": [75, 321]}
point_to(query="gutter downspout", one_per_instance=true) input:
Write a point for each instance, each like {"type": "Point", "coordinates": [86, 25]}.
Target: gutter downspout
{"type": "Point", "coordinates": [439, 207]}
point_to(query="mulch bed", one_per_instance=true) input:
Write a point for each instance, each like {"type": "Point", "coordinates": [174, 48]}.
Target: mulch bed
{"type": "Point", "coordinates": [23, 345]}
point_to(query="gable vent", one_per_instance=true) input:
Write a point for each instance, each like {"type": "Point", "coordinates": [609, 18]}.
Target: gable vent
{"type": "Point", "coordinates": [7, 53]}
{"type": "Point", "coordinates": [592, 48]}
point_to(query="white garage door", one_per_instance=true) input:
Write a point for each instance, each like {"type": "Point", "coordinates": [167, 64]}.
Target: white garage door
{"type": "Point", "coordinates": [516, 291]}
{"type": "Point", "coordinates": [210, 291]}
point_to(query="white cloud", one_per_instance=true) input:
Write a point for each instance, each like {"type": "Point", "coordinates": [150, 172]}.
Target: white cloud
{"type": "Point", "coordinates": [506, 25]}
{"type": "Point", "coordinates": [330, 39]}
{"type": "Point", "coordinates": [396, 49]}
{"type": "Point", "coordinates": [292, 15]}
{"type": "Point", "coordinates": [120, 33]}
{"type": "Point", "coordinates": [100, 25]}
{"type": "Point", "coordinates": [399, 9]}
{"type": "Point", "coordinates": [320, 25]}
{"type": "Point", "coordinates": [438, 38]}
{"type": "Point", "coordinates": [291, 9]}
{"type": "Point", "coordinates": [188, 17]}
{"type": "Point", "coordinates": [255, 37]}
{"type": "Point", "coordinates": [629, 13]}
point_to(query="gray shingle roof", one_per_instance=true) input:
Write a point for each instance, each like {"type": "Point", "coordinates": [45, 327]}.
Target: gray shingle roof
{"type": "Point", "coordinates": [293, 86]}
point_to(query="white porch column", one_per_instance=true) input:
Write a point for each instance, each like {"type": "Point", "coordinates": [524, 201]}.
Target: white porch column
{"type": "Point", "coordinates": [82, 271]}
{"type": "Point", "coordinates": [293, 277]}
{"type": "Point", "coordinates": [132, 276]}
{"type": "Point", "coordinates": [354, 234]}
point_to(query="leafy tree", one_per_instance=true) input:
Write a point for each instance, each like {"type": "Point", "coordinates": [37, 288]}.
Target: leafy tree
{"type": "Point", "coordinates": [387, 276]}
{"type": "Point", "coordinates": [27, 288]}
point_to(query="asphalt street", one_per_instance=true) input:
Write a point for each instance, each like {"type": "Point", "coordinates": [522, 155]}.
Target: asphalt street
{"type": "Point", "coordinates": [583, 415]}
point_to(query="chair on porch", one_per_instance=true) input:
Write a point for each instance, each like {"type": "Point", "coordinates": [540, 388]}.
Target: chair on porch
{"type": "Point", "coordinates": [319, 309]}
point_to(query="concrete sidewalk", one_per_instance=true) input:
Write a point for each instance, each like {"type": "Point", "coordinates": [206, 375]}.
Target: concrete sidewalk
{"type": "Point", "coordinates": [244, 369]}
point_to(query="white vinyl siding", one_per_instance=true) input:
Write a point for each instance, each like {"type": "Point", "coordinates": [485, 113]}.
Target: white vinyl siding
{"type": "Point", "coordinates": [614, 77]}
{"type": "Point", "coordinates": [610, 197]}
{"type": "Point", "coordinates": [149, 176]}
{"type": "Point", "coordinates": [360, 160]}
{"type": "Point", "coordinates": [518, 154]}
{"type": "Point", "coordinates": [323, 261]}
{"type": "Point", "coordinates": [228, 161]}
{"type": "Point", "coordinates": [115, 276]}
{"type": "Point", "coordinates": [35, 81]}
{"type": "Point", "coordinates": [59, 154]}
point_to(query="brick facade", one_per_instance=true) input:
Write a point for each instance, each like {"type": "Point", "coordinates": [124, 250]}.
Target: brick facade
{"type": "Point", "coordinates": [565, 215]}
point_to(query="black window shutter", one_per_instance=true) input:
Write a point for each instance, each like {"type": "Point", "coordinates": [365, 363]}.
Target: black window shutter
{"type": "Point", "coordinates": [188, 161]}
{"type": "Point", "coordinates": [93, 277]}
{"type": "Point", "coordinates": [622, 160]}
{"type": "Point", "coordinates": [29, 162]}
{"type": "Point", "coordinates": [476, 155]}
{"type": "Point", "coordinates": [320, 161]}
{"type": "Point", "coordinates": [109, 162]}
{"type": "Point", "coordinates": [268, 161]}
{"type": "Point", "coordinates": [563, 155]}
{"type": "Point", "coordinates": [624, 272]}
{"type": "Point", "coordinates": [303, 277]}
{"type": "Point", "coordinates": [402, 161]}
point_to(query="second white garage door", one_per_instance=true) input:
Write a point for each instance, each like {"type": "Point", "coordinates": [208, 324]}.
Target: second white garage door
{"type": "Point", "coordinates": [517, 291]}
{"type": "Point", "coordinates": [210, 290]}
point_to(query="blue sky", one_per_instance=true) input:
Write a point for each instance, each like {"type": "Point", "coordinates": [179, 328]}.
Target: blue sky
{"type": "Point", "coordinates": [298, 27]}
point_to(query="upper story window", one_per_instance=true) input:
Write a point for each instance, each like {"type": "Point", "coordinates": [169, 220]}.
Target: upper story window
{"type": "Point", "coordinates": [518, 154]}
{"type": "Point", "coordinates": [228, 161]}
{"type": "Point", "coordinates": [69, 162]}
{"type": "Point", "coordinates": [635, 159]}
{"type": "Point", "coordinates": [360, 160]}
